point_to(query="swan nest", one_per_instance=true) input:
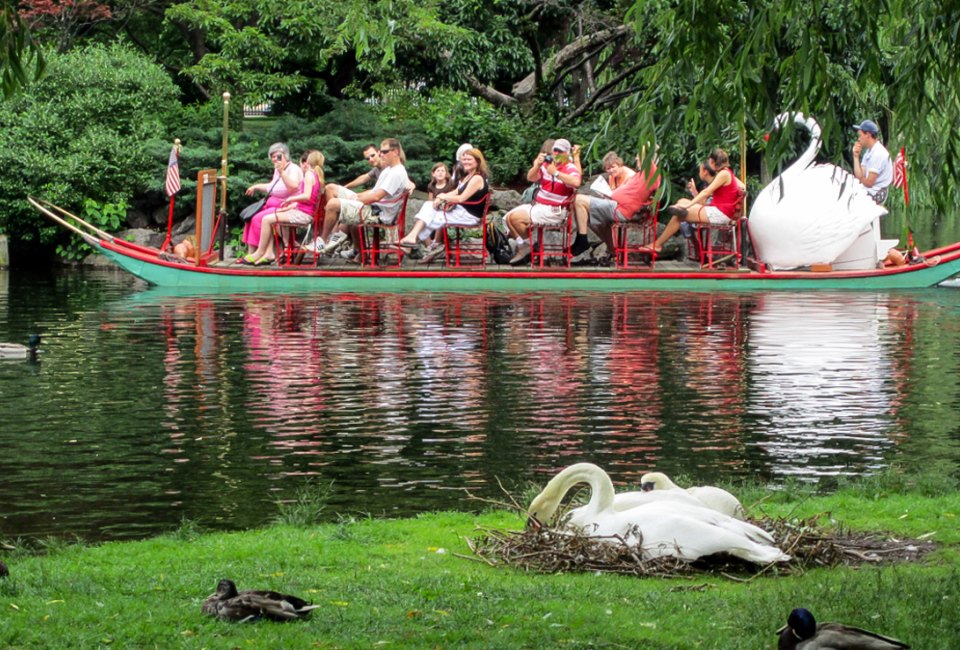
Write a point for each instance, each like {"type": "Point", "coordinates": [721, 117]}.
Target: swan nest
{"type": "Point", "coordinates": [548, 550]}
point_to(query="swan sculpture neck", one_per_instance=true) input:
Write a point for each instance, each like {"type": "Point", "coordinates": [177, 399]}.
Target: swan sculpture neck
{"type": "Point", "coordinates": [545, 505]}
{"type": "Point", "coordinates": [810, 124]}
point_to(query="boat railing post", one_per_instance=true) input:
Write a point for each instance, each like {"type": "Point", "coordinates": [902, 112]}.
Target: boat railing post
{"type": "Point", "coordinates": [223, 175]}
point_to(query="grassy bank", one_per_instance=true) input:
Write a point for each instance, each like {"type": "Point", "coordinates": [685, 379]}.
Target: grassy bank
{"type": "Point", "coordinates": [399, 584]}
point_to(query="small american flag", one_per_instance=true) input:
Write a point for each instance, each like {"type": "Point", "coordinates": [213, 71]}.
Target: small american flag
{"type": "Point", "coordinates": [900, 174]}
{"type": "Point", "coordinates": [173, 172]}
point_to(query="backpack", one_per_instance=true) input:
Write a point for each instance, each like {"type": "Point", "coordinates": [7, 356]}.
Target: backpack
{"type": "Point", "coordinates": [498, 244]}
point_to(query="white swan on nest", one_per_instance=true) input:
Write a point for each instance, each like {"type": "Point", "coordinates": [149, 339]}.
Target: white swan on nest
{"type": "Point", "coordinates": [812, 214]}
{"type": "Point", "coordinates": [709, 497]}
{"type": "Point", "coordinates": [663, 527]}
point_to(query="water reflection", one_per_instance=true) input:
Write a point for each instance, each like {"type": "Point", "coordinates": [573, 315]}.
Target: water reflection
{"type": "Point", "coordinates": [212, 408]}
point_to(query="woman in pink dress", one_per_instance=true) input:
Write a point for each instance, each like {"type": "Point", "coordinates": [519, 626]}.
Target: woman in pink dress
{"type": "Point", "coordinates": [286, 179]}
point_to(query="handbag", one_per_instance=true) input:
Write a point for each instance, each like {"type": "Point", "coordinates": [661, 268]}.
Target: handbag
{"type": "Point", "coordinates": [247, 213]}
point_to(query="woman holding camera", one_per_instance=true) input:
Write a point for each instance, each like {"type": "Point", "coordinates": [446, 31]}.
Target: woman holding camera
{"type": "Point", "coordinates": [461, 206]}
{"type": "Point", "coordinates": [286, 180]}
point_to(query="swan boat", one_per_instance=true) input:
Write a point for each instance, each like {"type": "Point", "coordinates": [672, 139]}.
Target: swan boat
{"type": "Point", "coordinates": [212, 275]}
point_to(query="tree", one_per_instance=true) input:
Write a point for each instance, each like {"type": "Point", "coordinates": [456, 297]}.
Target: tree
{"type": "Point", "coordinates": [21, 59]}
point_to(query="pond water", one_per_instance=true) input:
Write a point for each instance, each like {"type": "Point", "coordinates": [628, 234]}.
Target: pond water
{"type": "Point", "coordinates": [147, 408]}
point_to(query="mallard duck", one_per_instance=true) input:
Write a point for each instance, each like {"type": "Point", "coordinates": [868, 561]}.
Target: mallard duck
{"type": "Point", "coordinates": [230, 605]}
{"type": "Point", "coordinates": [802, 633]}
{"type": "Point", "coordinates": [711, 497]}
{"type": "Point", "coordinates": [660, 528]}
{"type": "Point", "coordinates": [17, 351]}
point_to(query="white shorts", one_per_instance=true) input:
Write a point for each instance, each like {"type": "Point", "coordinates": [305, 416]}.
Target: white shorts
{"type": "Point", "coordinates": [547, 215]}
{"type": "Point", "coordinates": [715, 217]}
{"type": "Point", "coordinates": [344, 193]}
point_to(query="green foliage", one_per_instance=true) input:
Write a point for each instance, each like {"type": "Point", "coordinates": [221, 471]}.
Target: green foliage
{"type": "Point", "coordinates": [21, 57]}
{"type": "Point", "coordinates": [83, 132]}
{"type": "Point", "coordinates": [307, 507]}
{"type": "Point", "coordinates": [106, 216]}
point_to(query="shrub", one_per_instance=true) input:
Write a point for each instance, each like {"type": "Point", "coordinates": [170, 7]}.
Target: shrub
{"type": "Point", "coordinates": [82, 132]}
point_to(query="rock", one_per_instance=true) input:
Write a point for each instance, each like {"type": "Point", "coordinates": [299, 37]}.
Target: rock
{"type": "Point", "coordinates": [674, 248]}
{"type": "Point", "coordinates": [413, 207]}
{"type": "Point", "coordinates": [159, 215]}
{"type": "Point", "coordinates": [138, 219]}
{"type": "Point", "coordinates": [505, 200]}
{"type": "Point", "coordinates": [187, 226]}
{"type": "Point", "coordinates": [96, 260]}
{"type": "Point", "coordinates": [142, 237]}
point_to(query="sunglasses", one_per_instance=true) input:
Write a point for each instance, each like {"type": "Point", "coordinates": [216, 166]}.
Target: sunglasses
{"type": "Point", "coordinates": [559, 151]}
{"type": "Point", "coordinates": [385, 151]}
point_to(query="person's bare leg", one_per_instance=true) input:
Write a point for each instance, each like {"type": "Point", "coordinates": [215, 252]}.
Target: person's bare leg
{"type": "Point", "coordinates": [412, 237]}
{"type": "Point", "coordinates": [331, 214]}
{"type": "Point", "coordinates": [581, 210]}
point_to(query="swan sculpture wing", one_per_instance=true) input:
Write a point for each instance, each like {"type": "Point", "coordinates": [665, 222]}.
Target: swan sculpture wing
{"type": "Point", "coordinates": [810, 214]}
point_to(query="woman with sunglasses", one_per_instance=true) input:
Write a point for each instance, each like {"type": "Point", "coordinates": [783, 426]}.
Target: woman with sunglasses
{"type": "Point", "coordinates": [723, 191]}
{"type": "Point", "coordinates": [286, 180]}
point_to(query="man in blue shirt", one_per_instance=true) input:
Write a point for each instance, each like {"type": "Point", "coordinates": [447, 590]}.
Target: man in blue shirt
{"type": "Point", "coordinates": [875, 171]}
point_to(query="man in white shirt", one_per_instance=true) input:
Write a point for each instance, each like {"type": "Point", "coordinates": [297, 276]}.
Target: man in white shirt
{"type": "Point", "coordinates": [875, 171]}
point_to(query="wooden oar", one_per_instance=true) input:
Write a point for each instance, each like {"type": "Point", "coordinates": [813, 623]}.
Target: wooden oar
{"type": "Point", "coordinates": [87, 237]}
{"type": "Point", "coordinates": [100, 233]}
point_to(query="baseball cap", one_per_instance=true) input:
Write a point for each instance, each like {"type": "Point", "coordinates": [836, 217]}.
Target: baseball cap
{"type": "Point", "coordinates": [867, 126]}
{"type": "Point", "coordinates": [464, 148]}
{"type": "Point", "coordinates": [562, 145]}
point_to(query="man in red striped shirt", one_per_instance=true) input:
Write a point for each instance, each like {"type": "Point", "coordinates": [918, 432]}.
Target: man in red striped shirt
{"type": "Point", "coordinates": [559, 179]}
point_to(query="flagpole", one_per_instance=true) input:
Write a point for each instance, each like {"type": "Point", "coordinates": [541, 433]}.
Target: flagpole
{"type": "Point", "coordinates": [223, 174]}
{"type": "Point", "coordinates": [166, 242]}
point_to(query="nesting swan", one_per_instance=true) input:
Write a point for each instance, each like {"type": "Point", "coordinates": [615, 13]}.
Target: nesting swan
{"type": "Point", "coordinates": [664, 525]}
{"type": "Point", "coordinates": [816, 214]}
{"type": "Point", "coordinates": [708, 496]}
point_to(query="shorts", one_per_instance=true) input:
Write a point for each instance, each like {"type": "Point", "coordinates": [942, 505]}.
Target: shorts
{"type": "Point", "coordinates": [297, 217]}
{"type": "Point", "coordinates": [344, 193]}
{"type": "Point", "coordinates": [715, 217]}
{"type": "Point", "coordinates": [547, 215]}
{"type": "Point", "coordinates": [604, 212]}
{"type": "Point", "coordinates": [353, 213]}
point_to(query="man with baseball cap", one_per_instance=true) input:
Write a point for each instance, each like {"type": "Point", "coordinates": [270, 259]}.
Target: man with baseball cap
{"type": "Point", "coordinates": [875, 171]}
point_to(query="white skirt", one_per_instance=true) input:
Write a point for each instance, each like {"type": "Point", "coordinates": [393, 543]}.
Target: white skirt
{"type": "Point", "coordinates": [434, 219]}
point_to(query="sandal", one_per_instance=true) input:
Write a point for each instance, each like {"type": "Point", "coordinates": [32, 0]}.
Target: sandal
{"type": "Point", "coordinates": [263, 261]}
{"type": "Point", "coordinates": [246, 260]}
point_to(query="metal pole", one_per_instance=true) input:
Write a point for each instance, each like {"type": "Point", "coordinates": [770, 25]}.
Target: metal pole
{"type": "Point", "coordinates": [223, 173]}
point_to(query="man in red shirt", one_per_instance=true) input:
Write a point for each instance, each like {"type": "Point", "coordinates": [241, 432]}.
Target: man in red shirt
{"type": "Point", "coordinates": [559, 179]}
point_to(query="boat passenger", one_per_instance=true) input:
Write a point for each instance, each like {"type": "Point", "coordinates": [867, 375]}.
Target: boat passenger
{"type": "Point", "coordinates": [296, 209]}
{"type": "Point", "coordinates": [461, 206]}
{"type": "Point", "coordinates": [617, 175]}
{"type": "Point", "coordinates": [559, 179]}
{"type": "Point", "coordinates": [875, 171]}
{"type": "Point", "coordinates": [382, 203]}
{"type": "Point", "coordinates": [286, 179]}
{"type": "Point", "coordinates": [622, 206]}
{"type": "Point", "coordinates": [457, 171]}
{"type": "Point", "coordinates": [617, 172]}
{"type": "Point", "coordinates": [723, 191]}
{"type": "Point", "coordinates": [442, 181]}
{"type": "Point", "coordinates": [372, 155]}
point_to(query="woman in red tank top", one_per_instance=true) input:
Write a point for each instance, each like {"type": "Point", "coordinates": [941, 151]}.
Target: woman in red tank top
{"type": "Point", "coordinates": [724, 188]}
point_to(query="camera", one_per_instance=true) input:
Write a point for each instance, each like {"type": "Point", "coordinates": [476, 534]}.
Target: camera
{"type": "Point", "coordinates": [548, 159]}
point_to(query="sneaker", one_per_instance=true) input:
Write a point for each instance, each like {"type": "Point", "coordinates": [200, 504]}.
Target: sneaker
{"type": "Point", "coordinates": [336, 239]}
{"type": "Point", "coordinates": [314, 246]}
{"type": "Point", "coordinates": [583, 259]}
{"type": "Point", "coordinates": [348, 253]}
{"type": "Point", "coordinates": [433, 251]}
{"type": "Point", "coordinates": [521, 256]}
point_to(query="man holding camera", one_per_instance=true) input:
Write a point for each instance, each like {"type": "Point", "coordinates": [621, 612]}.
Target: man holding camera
{"type": "Point", "coordinates": [559, 179]}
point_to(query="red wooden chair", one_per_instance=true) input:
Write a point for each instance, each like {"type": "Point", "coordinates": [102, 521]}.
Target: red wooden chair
{"type": "Point", "coordinates": [377, 240]}
{"type": "Point", "coordinates": [644, 225]}
{"type": "Point", "coordinates": [714, 245]}
{"type": "Point", "coordinates": [289, 247]}
{"type": "Point", "coordinates": [455, 244]}
{"type": "Point", "coordinates": [541, 249]}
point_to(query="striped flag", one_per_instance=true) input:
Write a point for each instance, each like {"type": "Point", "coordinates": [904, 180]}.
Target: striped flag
{"type": "Point", "coordinates": [900, 174]}
{"type": "Point", "coordinates": [173, 172]}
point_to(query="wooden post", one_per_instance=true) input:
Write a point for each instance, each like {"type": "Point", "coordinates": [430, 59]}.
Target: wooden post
{"type": "Point", "coordinates": [223, 174]}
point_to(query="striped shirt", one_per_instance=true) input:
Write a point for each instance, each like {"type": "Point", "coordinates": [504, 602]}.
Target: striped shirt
{"type": "Point", "coordinates": [554, 191]}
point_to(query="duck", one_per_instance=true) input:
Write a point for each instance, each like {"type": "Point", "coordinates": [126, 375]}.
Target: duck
{"type": "Point", "coordinates": [802, 633]}
{"type": "Point", "coordinates": [228, 604]}
{"type": "Point", "coordinates": [811, 213]}
{"type": "Point", "coordinates": [664, 527]}
{"type": "Point", "coordinates": [711, 497]}
{"type": "Point", "coordinates": [18, 351]}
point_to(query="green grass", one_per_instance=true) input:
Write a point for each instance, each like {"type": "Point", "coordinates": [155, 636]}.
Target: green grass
{"type": "Point", "coordinates": [399, 584]}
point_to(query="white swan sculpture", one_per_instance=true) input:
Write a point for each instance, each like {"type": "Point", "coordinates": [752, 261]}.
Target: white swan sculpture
{"type": "Point", "coordinates": [663, 527]}
{"type": "Point", "coordinates": [709, 497]}
{"type": "Point", "coordinates": [813, 214]}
